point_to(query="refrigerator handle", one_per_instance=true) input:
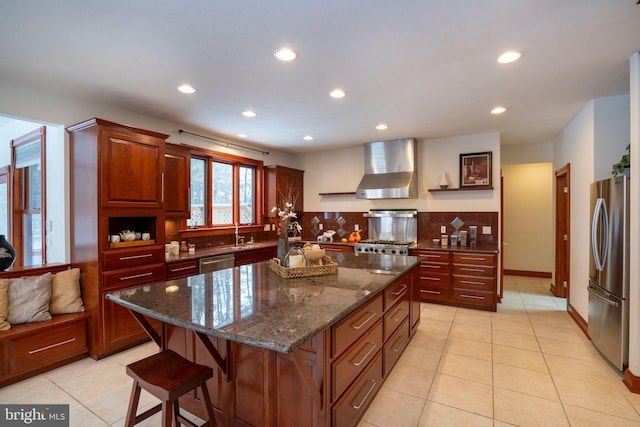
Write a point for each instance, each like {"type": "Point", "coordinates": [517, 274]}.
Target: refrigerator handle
{"type": "Point", "coordinates": [599, 222]}
{"type": "Point", "coordinates": [600, 297]}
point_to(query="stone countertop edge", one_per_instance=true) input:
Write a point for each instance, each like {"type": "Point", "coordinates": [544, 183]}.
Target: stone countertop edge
{"type": "Point", "coordinates": [348, 300]}
{"type": "Point", "coordinates": [429, 246]}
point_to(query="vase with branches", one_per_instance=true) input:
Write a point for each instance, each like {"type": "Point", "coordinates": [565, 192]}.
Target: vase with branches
{"type": "Point", "coordinates": [287, 219]}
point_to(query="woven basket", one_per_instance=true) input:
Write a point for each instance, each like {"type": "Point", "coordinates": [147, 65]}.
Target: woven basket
{"type": "Point", "coordinates": [328, 267]}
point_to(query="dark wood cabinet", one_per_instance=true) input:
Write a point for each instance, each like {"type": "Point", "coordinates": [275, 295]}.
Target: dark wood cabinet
{"type": "Point", "coordinates": [177, 182]}
{"type": "Point", "coordinates": [117, 175]}
{"type": "Point", "coordinates": [466, 279]}
{"type": "Point", "coordinates": [179, 269]}
{"type": "Point", "coordinates": [255, 255]}
{"type": "Point", "coordinates": [278, 180]}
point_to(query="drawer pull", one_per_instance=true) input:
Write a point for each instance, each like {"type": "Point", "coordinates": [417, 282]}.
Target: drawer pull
{"type": "Point", "coordinates": [364, 399]}
{"type": "Point", "coordinates": [469, 282]}
{"type": "Point", "coordinates": [473, 258]}
{"type": "Point", "coordinates": [475, 270]}
{"type": "Point", "coordinates": [399, 317]}
{"type": "Point", "coordinates": [435, 279]}
{"type": "Point", "coordinates": [183, 268]}
{"type": "Point", "coordinates": [402, 289]}
{"type": "Point", "coordinates": [135, 276]}
{"type": "Point", "coordinates": [402, 339]}
{"type": "Point", "coordinates": [359, 362]}
{"type": "Point", "coordinates": [426, 291]}
{"type": "Point", "coordinates": [125, 258]}
{"type": "Point", "coordinates": [38, 350]}
{"type": "Point", "coordinates": [437, 267]}
{"type": "Point", "coordinates": [371, 316]}
{"type": "Point", "coordinates": [471, 296]}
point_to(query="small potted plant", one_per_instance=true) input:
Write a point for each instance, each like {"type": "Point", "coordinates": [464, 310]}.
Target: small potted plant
{"type": "Point", "coordinates": [623, 165]}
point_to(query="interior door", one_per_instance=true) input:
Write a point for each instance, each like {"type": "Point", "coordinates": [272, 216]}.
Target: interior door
{"type": "Point", "coordinates": [560, 285]}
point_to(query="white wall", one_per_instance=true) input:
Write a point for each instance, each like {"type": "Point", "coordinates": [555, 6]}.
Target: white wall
{"type": "Point", "coordinates": [341, 171]}
{"type": "Point", "coordinates": [527, 153]}
{"type": "Point", "coordinates": [611, 133]}
{"type": "Point", "coordinates": [634, 321]}
{"type": "Point", "coordinates": [528, 217]}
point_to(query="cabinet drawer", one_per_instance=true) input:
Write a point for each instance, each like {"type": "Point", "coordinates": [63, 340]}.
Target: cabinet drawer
{"type": "Point", "coordinates": [356, 400]}
{"type": "Point", "coordinates": [396, 290]}
{"type": "Point", "coordinates": [432, 279]}
{"type": "Point", "coordinates": [431, 256]}
{"type": "Point", "coordinates": [478, 283]}
{"type": "Point", "coordinates": [434, 267]}
{"type": "Point", "coordinates": [395, 316]}
{"type": "Point", "coordinates": [49, 346]}
{"type": "Point", "coordinates": [348, 330]}
{"type": "Point", "coordinates": [348, 366]}
{"type": "Point", "coordinates": [476, 259]}
{"type": "Point", "coordinates": [133, 276]}
{"type": "Point", "coordinates": [115, 260]}
{"type": "Point", "coordinates": [395, 346]}
{"type": "Point", "coordinates": [434, 293]}
{"type": "Point", "coordinates": [182, 269]}
{"type": "Point", "coordinates": [471, 296]}
{"type": "Point", "coordinates": [473, 270]}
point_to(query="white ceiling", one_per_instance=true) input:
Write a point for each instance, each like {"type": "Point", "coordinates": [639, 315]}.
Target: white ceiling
{"type": "Point", "coordinates": [427, 68]}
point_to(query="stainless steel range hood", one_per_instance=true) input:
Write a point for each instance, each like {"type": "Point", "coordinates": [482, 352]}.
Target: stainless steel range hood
{"type": "Point", "coordinates": [390, 170]}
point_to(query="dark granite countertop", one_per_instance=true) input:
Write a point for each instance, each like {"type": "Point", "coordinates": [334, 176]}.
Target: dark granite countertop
{"type": "Point", "coordinates": [252, 304]}
{"type": "Point", "coordinates": [481, 248]}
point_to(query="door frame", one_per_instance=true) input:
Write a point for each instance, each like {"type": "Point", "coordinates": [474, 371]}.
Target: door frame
{"type": "Point", "coordinates": [562, 237]}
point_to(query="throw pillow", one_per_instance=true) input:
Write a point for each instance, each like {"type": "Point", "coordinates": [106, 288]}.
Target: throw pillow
{"type": "Point", "coordinates": [4, 304]}
{"type": "Point", "coordinates": [29, 299]}
{"type": "Point", "coordinates": [65, 292]}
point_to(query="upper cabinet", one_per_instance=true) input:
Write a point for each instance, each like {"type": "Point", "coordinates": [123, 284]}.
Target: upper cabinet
{"type": "Point", "coordinates": [177, 182]}
{"type": "Point", "coordinates": [131, 168]}
{"type": "Point", "coordinates": [278, 180]}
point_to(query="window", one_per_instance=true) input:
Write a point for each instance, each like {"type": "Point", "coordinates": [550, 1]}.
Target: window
{"type": "Point", "coordinates": [4, 200]}
{"type": "Point", "coordinates": [224, 190]}
{"type": "Point", "coordinates": [28, 198]}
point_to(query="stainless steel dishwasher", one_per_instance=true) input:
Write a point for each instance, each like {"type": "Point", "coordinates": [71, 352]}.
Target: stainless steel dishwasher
{"type": "Point", "coordinates": [215, 263]}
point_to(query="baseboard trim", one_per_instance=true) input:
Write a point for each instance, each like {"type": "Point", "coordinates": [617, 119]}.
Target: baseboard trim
{"type": "Point", "coordinates": [541, 274]}
{"type": "Point", "coordinates": [582, 324]}
{"type": "Point", "coordinates": [631, 381]}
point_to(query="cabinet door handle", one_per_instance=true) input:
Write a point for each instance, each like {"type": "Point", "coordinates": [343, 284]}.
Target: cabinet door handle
{"type": "Point", "coordinates": [402, 289]}
{"type": "Point", "coordinates": [135, 276]}
{"type": "Point", "coordinates": [397, 317]}
{"type": "Point", "coordinates": [473, 258]}
{"type": "Point", "coordinates": [162, 194]}
{"type": "Point", "coordinates": [469, 282]}
{"type": "Point", "coordinates": [124, 258]}
{"type": "Point", "coordinates": [183, 268]}
{"type": "Point", "coordinates": [435, 279]}
{"type": "Point", "coordinates": [363, 358]}
{"type": "Point", "coordinates": [371, 316]}
{"type": "Point", "coordinates": [364, 399]}
{"type": "Point", "coordinates": [426, 291]}
{"type": "Point", "coordinates": [38, 350]}
{"type": "Point", "coordinates": [475, 270]}
{"type": "Point", "coordinates": [402, 339]}
{"type": "Point", "coordinates": [471, 296]}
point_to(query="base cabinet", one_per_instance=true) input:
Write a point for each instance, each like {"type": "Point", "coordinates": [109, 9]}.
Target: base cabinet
{"type": "Point", "coordinates": [466, 279]}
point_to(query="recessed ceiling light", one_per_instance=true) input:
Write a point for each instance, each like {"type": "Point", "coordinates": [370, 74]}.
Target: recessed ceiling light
{"type": "Point", "coordinates": [337, 93]}
{"type": "Point", "coordinates": [186, 89]}
{"type": "Point", "coordinates": [242, 135]}
{"type": "Point", "coordinates": [285, 54]}
{"type": "Point", "coordinates": [498, 110]}
{"type": "Point", "coordinates": [509, 57]}
{"type": "Point", "coordinates": [308, 138]}
{"type": "Point", "coordinates": [249, 113]}
{"type": "Point", "coordinates": [382, 126]}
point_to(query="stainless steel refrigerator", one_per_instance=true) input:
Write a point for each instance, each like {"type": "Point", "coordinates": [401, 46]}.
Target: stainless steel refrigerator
{"type": "Point", "coordinates": [608, 321]}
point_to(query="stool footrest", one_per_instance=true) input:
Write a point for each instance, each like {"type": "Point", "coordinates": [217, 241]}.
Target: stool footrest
{"type": "Point", "coordinates": [149, 412]}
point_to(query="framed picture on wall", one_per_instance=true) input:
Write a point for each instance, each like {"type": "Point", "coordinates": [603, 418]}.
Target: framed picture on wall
{"type": "Point", "coordinates": [475, 170]}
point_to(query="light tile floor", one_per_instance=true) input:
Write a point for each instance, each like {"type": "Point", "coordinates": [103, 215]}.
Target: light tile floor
{"type": "Point", "coordinates": [526, 365]}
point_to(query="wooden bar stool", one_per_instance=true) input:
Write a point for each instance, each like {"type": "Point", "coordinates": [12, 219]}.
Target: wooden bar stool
{"type": "Point", "coordinates": [167, 376]}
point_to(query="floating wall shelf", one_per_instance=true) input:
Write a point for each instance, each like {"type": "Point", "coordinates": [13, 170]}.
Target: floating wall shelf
{"type": "Point", "coordinates": [434, 190]}
{"type": "Point", "coordinates": [343, 193]}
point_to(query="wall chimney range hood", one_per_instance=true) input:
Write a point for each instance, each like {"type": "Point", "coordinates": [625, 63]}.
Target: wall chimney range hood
{"type": "Point", "coordinates": [389, 170]}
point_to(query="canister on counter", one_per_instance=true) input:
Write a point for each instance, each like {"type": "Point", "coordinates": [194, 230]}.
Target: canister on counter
{"type": "Point", "coordinates": [463, 238]}
{"type": "Point", "coordinates": [454, 240]}
{"type": "Point", "coordinates": [444, 240]}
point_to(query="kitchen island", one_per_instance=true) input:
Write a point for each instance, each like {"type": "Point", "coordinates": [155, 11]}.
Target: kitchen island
{"type": "Point", "coordinates": [287, 352]}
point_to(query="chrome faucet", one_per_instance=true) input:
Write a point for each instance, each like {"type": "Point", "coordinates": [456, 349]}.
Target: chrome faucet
{"type": "Point", "coordinates": [238, 237]}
